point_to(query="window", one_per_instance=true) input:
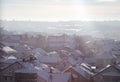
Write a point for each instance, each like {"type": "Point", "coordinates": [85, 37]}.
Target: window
{"type": "Point", "coordinates": [5, 77]}
{"type": "Point", "coordinates": [11, 78]}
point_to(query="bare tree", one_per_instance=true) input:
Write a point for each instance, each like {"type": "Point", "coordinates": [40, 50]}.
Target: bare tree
{"type": "Point", "coordinates": [1, 32]}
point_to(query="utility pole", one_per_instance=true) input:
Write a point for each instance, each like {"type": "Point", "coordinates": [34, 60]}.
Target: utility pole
{"type": "Point", "coordinates": [50, 76]}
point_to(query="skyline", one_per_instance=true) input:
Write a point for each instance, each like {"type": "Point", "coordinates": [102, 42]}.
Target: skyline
{"type": "Point", "coordinates": [60, 10]}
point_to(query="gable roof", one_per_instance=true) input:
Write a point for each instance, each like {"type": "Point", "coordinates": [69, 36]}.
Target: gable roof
{"type": "Point", "coordinates": [8, 50]}
{"type": "Point", "coordinates": [106, 68]}
{"type": "Point", "coordinates": [85, 73]}
{"type": "Point", "coordinates": [4, 68]}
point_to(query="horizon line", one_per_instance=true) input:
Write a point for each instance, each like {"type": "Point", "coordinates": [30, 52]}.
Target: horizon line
{"type": "Point", "coordinates": [28, 20]}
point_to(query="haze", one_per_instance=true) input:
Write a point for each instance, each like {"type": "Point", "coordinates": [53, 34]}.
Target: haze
{"type": "Point", "coordinates": [60, 10]}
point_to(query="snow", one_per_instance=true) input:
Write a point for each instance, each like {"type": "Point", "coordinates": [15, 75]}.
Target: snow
{"type": "Point", "coordinates": [11, 57]}
{"type": "Point", "coordinates": [67, 69]}
{"type": "Point", "coordinates": [105, 68]}
{"type": "Point", "coordinates": [78, 52]}
{"type": "Point", "coordinates": [27, 65]}
{"type": "Point", "coordinates": [8, 50]}
{"type": "Point", "coordinates": [65, 52]}
{"type": "Point", "coordinates": [40, 51]}
{"type": "Point", "coordinates": [5, 63]}
{"type": "Point", "coordinates": [70, 46]}
{"type": "Point", "coordinates": [10, 61]}
{"type": "Point", "coordinates": [82, 71]}
{"type": "Point", "coordinates": [40, 65]}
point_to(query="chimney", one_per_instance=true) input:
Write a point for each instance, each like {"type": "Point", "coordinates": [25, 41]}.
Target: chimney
{"type": "Point", "coordinates": [51, 69]}
{"type": "Point", "coordinates": [93, 68]}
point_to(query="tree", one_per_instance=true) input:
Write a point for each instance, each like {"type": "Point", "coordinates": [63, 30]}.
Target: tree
{"type": "Point", "coordinates": [81, 45]}
{"type": "Point", "coordinates": [1, 31]}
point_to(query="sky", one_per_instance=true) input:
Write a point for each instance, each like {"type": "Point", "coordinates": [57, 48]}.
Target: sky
{"type": "Point", "coordinates": [59, 10]}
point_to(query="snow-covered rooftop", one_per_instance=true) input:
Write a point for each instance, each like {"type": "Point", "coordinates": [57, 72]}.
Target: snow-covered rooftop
{"type": "Point", "coordinates": [11, 57]}
{"type": "Point", "coordinates": [27, 65]}
{"type": "Point", "coordinates": [39, 50]}
{"type": "Point", "coordinates": [84, 72]}
{"type": "Point", "coordinates": [10, 61]}
{"type": "Point", "coordinates": [8, 50]}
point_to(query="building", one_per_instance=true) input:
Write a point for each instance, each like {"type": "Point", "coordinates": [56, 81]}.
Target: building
{"type": "Point", "coordinates": [51, 59]}
{"type": "Point", "coordinates": [80, 73]}
{"type": "Point", "coordinates": [7, 70]}
{"type": "Point", "coordinates": [54, 77]}
{"type": "Point", "coordinates": [26, 75]}
{"type": "Point", "coordinates": [7, 51]}
{"type": "Point", "coordinates": [56, 41]}
{"type": "Point", "coordinates": [104, 59]}
{"type": "Point", "coordinates": [110, 73]}
{"type": "Point", "coordinates": [11, 40]}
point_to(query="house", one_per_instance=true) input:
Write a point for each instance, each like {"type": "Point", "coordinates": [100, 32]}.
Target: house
{"type": "Point", "coordinates": [88, 73]}
{"type": "Point", "coordinates": [26, 75]}
{"type": "Point", "coordinates": [53, 77]}
{"type": "Point", "coordinates": [7, 70]}
{"type": "Point", "coordinates": [23, 50]}
{"type": "Point", "coordinates": [37, 63]}
{"type": "Point", "coordinates": [38, 52]}
{"type": "Point", "coordinates": [7, 51]}
{"type": "Point", "coordinates": [11, 40]}
{"type": "Point", "coordinates": [110, 73]}
{"type": "Point", "coordinates": [11, 69]}
{"type": "Point", "coordinates": [56, 41]}
{"type": "Point", "coordinates": [80, 73]}
{"type": "Point", "coordinates": [104, 59]}
{"type": "Point", "coordinates": [51, 59]}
